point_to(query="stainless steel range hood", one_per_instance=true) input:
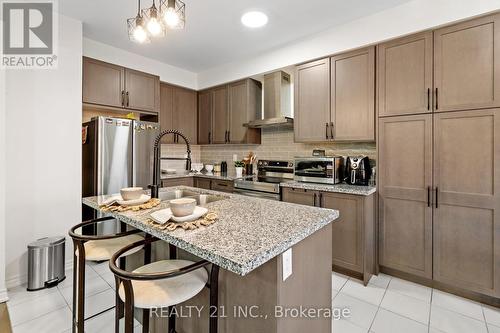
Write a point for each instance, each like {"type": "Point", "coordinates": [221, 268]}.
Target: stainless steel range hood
{"type": "Point", "coordinates": [277, 101]}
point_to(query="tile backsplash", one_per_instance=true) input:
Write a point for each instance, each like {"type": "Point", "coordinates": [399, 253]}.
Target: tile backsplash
{"type": "Point", "coordinates": [277, 143]}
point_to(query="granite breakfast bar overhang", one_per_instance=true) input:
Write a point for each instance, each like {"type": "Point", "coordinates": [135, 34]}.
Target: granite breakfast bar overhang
{"type": "Point", "coordinates": [246, 243]}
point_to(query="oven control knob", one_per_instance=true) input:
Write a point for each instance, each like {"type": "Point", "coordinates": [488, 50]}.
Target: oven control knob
{"type": "Point", "coordinates": [260, 162]}
{"type": "Point", "coordinates": [265, 163]}
{"type": "Point", "coordinates": [290, 165]}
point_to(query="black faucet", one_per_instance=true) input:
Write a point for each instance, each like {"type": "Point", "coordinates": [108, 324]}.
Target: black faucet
{"type": "Point", "coordinates": [155, 187]}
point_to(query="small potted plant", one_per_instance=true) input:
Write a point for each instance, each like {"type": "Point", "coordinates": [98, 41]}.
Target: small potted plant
{"type": "Point", "coordinates": [239, 168]}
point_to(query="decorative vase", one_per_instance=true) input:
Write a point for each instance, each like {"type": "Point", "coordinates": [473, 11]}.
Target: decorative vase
{"type": "Point", "coordinates": [239, 172]}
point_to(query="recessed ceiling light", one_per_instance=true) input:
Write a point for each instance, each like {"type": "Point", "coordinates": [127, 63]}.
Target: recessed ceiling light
{"type": "Point", "coordinates": [254, 19]}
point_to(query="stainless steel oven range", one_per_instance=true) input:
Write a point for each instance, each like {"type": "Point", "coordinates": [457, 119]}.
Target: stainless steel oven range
{"type": "Point", "coordinates": [266, 184]}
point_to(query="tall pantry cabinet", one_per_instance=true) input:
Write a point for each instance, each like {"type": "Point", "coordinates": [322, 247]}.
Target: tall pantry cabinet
{"type": "Point", "coordinates": [439, 155]}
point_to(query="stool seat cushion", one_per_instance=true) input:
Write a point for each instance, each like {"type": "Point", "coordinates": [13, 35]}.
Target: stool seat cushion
{"type": "Point", "coordinates": [103, 249]}
{"type": "Point", "coordinates": [166, 292]}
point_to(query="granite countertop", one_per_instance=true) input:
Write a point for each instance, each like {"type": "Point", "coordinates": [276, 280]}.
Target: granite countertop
{"type": "Point", "coordinates": [248, 233]}
{"type": "Point", "coordinates": [186, 174]}
{"type": "Point", "coordinates": [337, 188]}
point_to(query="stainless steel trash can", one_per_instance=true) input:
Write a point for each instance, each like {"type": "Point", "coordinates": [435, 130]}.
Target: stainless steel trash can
{"type": "Point", "coordinates": [46, 262]}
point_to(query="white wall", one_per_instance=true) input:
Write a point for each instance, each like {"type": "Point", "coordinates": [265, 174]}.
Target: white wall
{"type": "Point", "coordinates": [43, 151]}
{"type": "Point", "coordinates": [167, 73]}
{"type": "Point", "coordinates": [414, 16]}
{"type": "Point", "coordinates": [3, 292]}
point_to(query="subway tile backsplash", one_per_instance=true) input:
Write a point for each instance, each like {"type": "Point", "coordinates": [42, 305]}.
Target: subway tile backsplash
{"type": "Point", "coordinates": [277, 143]}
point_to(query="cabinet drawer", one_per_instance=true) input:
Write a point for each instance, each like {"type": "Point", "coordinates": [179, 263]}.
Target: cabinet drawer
{"type": "Point", "coordinates": [299, 196]}
{"type": "Point", "coordinates": [222, 185]}
{"type": "Point", "coordinates": [202, 183]}
{"type": "Point", "coordinates": [188, 181]}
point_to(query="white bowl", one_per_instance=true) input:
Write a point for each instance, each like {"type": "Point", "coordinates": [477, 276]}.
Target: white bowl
{"type": "Point", "coordinates": [209, 167]}
{"type": "Point", "coordinates": [131, 193]}
{"type": "Point", "coordinates": [183, 206]}
{"type": "Point", "coordinates": [197, 167]}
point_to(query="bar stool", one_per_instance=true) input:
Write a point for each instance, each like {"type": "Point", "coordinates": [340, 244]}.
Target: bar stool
{"type": "Point", "coordinates": [162, 284]}
{"type": "Point", "coordinates": [93, 248]}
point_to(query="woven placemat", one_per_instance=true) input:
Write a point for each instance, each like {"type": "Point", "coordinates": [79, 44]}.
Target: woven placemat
{"type": "Point", "coordinates": [209, 219]}
{"type": "Point", "coordinates": [117, 208]}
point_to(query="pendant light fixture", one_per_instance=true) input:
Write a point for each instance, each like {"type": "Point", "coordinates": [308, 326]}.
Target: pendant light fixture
{"type": "Point", "coordinates": [155, 21]}
{"type": "Point", "coordinates": [136, 27]}
{"type": "Point", "coordinates": [173, 12]}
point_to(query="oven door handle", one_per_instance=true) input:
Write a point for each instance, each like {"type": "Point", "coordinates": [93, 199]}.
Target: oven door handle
{"type": "Point", "coordinates": [256, 194]}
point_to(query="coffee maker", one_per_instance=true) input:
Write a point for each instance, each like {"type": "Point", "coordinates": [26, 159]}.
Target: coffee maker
{"type": "Point", "coordinates": [358, 170]}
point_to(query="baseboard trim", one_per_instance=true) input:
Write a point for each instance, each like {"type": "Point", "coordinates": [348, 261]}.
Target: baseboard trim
{"type": "Point", "coordinates": [4, 297]}
{"type": "Point", "coordinates": [21, 279]}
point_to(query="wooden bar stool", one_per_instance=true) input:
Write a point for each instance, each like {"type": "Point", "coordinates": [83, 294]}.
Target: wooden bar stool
{"type": "Point", "coordinates": [93, 248]}
{"type": "Point", "coordinates": [162, 284]}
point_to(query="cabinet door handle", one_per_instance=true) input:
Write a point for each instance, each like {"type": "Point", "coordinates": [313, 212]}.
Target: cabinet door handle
{"type": "Point", "coordinates": [209, 137]}
{"type": "Point", "coordinates": [225, 136]}
{"type": "Point", "coordinates": [314, 200]}
{"type": "Point", "coordinates": [123, 97]}
{"type": "Point", "coordinates": [428, 196]}
{"type": "Point", "coordinates": [437, 195]}
{"type": "Point", "coordinates": [331, 130]}
{"type": "Point", "coordinates": [228, 136]}
{"type": "Point", "coordinates": [128, 99]}
{"type": "Point", "coordinates": [428, 98]}
{"type": "Point", "coordinates": [320, 204]}
{"type": "Point", "coordinates": [326, 131]}
{"type": "Point", "coordinates": [437, 105]}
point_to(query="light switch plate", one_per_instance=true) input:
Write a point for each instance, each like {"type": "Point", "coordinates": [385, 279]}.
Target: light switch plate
{"type": "Point", "coordinates": [287, 264]}
{"type": "Point", "coordinates": [235, 157]}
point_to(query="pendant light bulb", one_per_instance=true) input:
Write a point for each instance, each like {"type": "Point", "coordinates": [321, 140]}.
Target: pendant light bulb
{"type": "Point", "coordinates": [171, 17]}
{"type": "Point", "coordinates": [154, 26]}
{"type": "Point", "coordinates": [140, 34]}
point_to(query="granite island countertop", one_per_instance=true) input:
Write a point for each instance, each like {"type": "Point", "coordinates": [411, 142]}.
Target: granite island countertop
{"type": "Point", "coordinates": [337, 188]}
{"type": "Point", "coordinates": [248, 233]}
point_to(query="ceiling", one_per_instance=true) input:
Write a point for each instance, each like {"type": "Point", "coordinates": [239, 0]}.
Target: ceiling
{"type": "Point", "coordinates": [214, 35]}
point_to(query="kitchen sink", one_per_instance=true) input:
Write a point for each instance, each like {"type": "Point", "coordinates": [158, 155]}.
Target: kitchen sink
{"type": "Point", "coordinates": [201, 199]}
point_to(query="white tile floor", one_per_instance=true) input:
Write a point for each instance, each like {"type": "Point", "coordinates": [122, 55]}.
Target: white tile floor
{"type": "Point", "coordinates": [386, 305]}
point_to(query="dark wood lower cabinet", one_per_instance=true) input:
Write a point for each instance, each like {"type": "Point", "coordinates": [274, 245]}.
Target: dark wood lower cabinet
{"type": "Point", "coordinates": [353, 242]}
{"type": "Point", "coordinates": [186, 181]}
{"type": "Point", "coordinates": [222, 185]}
{"type": "Point", "coordinates": [203, 183]}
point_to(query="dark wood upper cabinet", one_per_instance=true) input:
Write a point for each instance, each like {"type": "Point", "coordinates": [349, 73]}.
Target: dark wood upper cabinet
{"type": "Point", "coordinates": [467, 65]}
{"type": "Point", "coordinates": [205, 117]}
{"type": "Point", "coordinates": [167, 110]}
{"type": "Point", "coordinates": [353, 96]}
{"type": "Point", "coordinates": [245, 105]}
{"type": "Point", "coordinates": [223, 112]}
{"type": "Point", "coordinates": [185, 116]}
{"type": "Point", "coordinates": [312, 101]}
{"type": "Point", "coordinates": [113, 86]}
{"type": "Point", "coordinates": [404, 80]}
{"type": "Point", "coordinates": [142, 91]}
{"type": "Point", "coordinates": [220, 114]}
{"type": "Point", "coordinates": [178, 111]}
{"type": "Point", "coordinates": [103, 83]}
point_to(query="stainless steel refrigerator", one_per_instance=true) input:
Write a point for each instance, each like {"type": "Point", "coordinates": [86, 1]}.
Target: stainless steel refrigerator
{"type": "Point", "coordinates": [117, 153]}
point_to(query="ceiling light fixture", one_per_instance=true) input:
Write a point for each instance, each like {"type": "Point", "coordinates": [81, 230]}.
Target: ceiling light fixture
{"type": "Point", "coordinates": [254, 19]}
{"type": "Point", "coordinates": [136, 27]}
{"type": "Point", "coordinates": [154, 22]}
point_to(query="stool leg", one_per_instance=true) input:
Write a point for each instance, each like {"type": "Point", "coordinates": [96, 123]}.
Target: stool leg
{"type": "Point", "coordinates": [79, 289]}
{"type": "Point", "coordinates": [214, 299]}
{"type": "Point", "coordinates": [145, 320]}
{"type": "Point", "coordinates": [75, 272]}
{"type": "Point", "coordinates": [129, 306]}
{"type": "Point", "coordinates": [118, 305]}
{"type": "Point", "coordinates": [171, 320]}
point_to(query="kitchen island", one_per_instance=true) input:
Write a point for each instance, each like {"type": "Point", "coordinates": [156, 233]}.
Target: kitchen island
{"type": "Point", "coordinates": [247, 243]}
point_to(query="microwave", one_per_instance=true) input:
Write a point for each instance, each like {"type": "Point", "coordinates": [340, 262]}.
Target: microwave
{"type": "Point", "coordinates": [324, 169]}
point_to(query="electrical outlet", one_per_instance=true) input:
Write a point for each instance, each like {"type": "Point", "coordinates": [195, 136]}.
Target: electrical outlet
{"type": "Point", "coordinates": [287, 264]}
